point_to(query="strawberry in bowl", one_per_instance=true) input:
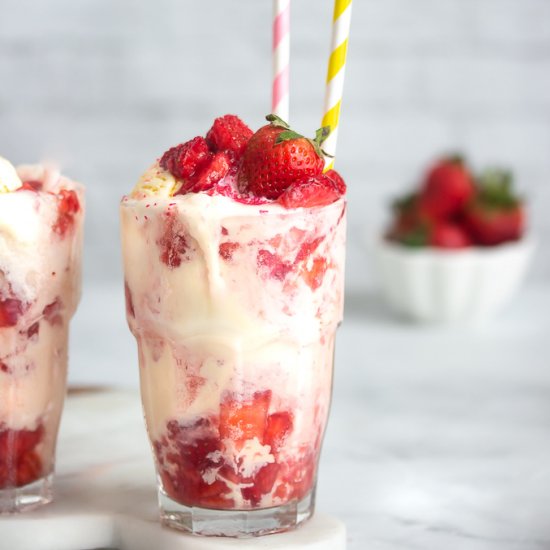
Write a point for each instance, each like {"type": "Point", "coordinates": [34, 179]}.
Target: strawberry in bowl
{"type": "Point", "coordinates": [456, 247]}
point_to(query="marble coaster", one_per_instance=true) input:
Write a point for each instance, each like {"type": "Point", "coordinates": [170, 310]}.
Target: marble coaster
{"type": "Point", "coordinates": [43, 531]}
{"type": "Point", "coordinates": [105, 493]}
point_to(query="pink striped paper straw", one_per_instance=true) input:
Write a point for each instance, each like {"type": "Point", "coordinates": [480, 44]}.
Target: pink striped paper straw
{"type": "Point", "coordinates": [281, 58]}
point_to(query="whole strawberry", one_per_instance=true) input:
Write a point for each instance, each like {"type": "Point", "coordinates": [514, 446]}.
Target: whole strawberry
{"type": "Point", "coordinates": [496, 215]}
{"type": "Point", "coordinates": [447, 189]}
{"type": "Point", "coordinates": [276, 157]}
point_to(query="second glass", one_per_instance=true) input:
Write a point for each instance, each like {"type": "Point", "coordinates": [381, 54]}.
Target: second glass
{"type": "Point", "coordinates": [41, 226]}
{"type": "Point", "coordinates": [234, 308]}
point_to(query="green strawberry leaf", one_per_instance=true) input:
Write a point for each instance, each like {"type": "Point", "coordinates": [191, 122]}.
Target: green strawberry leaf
{"type": "Point", "coordinates": [415, 238]}
{"type": "Point", "coordinates": [495, 189]}
{"type": "Point", "coordinates": [277, 121]}
{"type": "Point", "coordinates": [287, 135]}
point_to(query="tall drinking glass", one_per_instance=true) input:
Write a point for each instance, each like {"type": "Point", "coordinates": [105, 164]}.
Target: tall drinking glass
{"type": "Point", "coordinates": [234, 308]}
{"type": "Point", "coordinates": [40, 252]}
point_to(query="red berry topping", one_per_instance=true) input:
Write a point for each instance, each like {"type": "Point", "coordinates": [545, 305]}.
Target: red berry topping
{"type": "Point", "coordinates": [211, 173]}
{"type": "Point", "coordinates": [229, 133]}
{"type": "Point", "coordinates": [316, 191]}
{"type": "Point", "coordinates": [447, 189]}
{"type": "Point", "coordinates": [10, 311]}
{"type": "Point", "coordinates": [338, 181]}
{"type": "Point", "coordinates": [186, 159]}
{"type": "Point", "coordinates": [276, 157]}
{"type": "Point", "coordinates": [67, 208]}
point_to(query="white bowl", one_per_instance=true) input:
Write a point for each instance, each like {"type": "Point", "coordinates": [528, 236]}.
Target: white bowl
{"type": "Point", "coordinates": [435, 285]}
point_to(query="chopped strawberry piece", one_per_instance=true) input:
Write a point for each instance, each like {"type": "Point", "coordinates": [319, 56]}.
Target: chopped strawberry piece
{"type": "Point", "coordinates": [278, 427]}
{"type": "Point", "coordinates": [273, 265]}
{"type": "Point", "coordinates": [10, 311]}
{"type": "Point", "coordinates": [31, 185]}
{"type": "Point", "coordinates": [338, 181]}
{"type": "Point", "coordinates": [262, 483]}
{"type": "Point", "coordinates": [29, 468]}
{"type": "Point", "coordinates": [211, 173]}
{"type": "Point", "coordinates": [19, 462]}
{"type": "Point", "coordinates": [241, 420]}
{"type": "Point", "coordinates": [229, 133]}
{"type": "Point", "coordinates": [308, 248]}
{"type": "Point", "coordinates": [227, 249]}
{"type": "Point", "coordinates": [317, 191]}
{"type": "Point", "coordinates": [67, 207]}
{"type": "Point", "coordinates": [33, 330]}
{"type": "Point", "coordinates": [173, 244]}
{"type": "Point", "coordinates": [186, 159]}
{"type": "Point", "coordinates": [52, 312]}
{"type": "Point", "coordinates": [314, 275]}
{"type": "Point", "coordinates": [27, 440]}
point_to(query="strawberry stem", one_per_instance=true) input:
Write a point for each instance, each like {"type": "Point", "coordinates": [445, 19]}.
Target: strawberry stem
{"type": "Point", "coordinates": [277, 121]}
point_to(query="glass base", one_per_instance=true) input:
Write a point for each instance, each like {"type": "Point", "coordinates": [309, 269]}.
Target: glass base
{"type": "Point", "coordinates": [28, 497]}
{"type": "Point", "coordinates": [235, 523]}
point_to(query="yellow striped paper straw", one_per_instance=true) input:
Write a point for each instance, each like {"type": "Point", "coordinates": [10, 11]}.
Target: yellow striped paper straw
{"type": "Point", "coordinates": [335, 75]}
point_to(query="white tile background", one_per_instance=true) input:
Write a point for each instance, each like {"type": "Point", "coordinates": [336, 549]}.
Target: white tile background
{"type": "Point", "coordinates": [104, 86]}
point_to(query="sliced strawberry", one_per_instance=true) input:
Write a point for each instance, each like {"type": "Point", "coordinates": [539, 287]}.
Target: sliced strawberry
{"type": "Point", "coordinates": [10, 311]}
{"type": "Point", "coordinates": [31, 185]}
{"type": "Point", "coordinates": [316, 191]}
{"type": "Point", "coordinates": [33, 330]}
{"type": "Point", "coordinates": [279, 426]}
{"type": "Point", "coordinates": [211, 173]}
{"type": "Point", "coordinates": [308, 248]}
{"type": "Point", "coordinates": [241, 420]}
{"type": "Point", "coordinates": [262, 483]}
{"type": "Point", "coordinates": [29, 468]}
{"type": "Point", "coordinates": [338, 181]}
{"type": "Point", "coordinates": [52, 312]}
{"type": "Point", "coordinates": [173, 244]}
{"type": "Point", "coordinates": [184, 160]}
{"type": "Point", "coordinates": [67, 207]}
{"type": "Point", "coordinates": [314, 275]}
{"type": "Point", "coordinates": [228, 133]}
